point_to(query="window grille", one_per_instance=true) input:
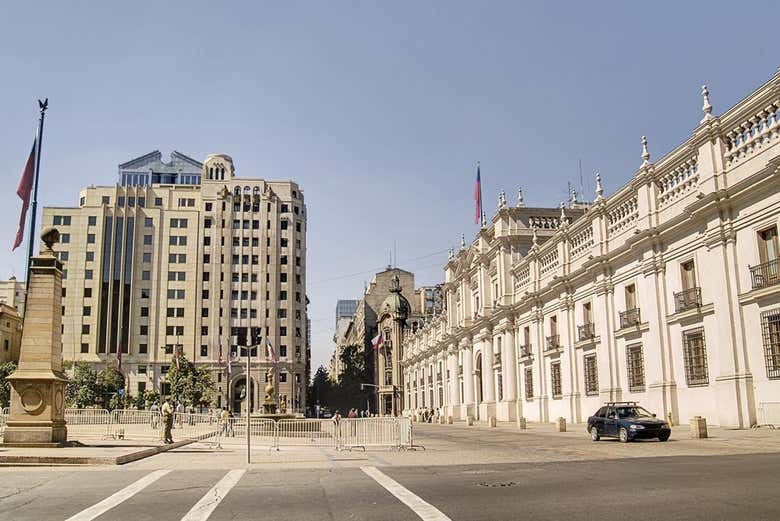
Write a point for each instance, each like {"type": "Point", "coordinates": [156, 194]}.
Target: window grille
{"type": "Point", "coordinates": [770, 326]}
{"type": "Point", "coordinates": [591, 376]}
{"type": "Point", "coordinates": [555, 380]}
{"type": "Point", "coordinates": [695, 353]}
{"type": "Point", "coordinates": [529, 383]}
{"type": "Point", "coordinates": [636, 368]}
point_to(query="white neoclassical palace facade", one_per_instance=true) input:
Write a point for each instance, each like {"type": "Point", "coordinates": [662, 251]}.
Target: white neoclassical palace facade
{"type": "Point", "coordinates": [666, 292]}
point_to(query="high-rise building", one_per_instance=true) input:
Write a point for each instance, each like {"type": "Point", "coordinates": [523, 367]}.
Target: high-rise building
{"type": "Point", "coordinates": [345, 309]}
{"type": "Point", "coordinates": [156, 269]}
{"type": "Point", "coordinates": [12, 294]}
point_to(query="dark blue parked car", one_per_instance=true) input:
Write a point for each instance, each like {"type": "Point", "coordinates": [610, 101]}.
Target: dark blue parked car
{"type": "Point", "coordinates": [626, 421]}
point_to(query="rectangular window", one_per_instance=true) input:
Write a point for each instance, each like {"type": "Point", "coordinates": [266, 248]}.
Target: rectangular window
{"type": "Point", "coordinates": [87, 311]}
{"type": "Point", "coordinates": [142, 348]}
{"type": "Point", "coordinates": [85, 329]}
{"type": "Point", "coordinates": [768, 248]}
{"type": "Point", "coordinates": [688, 272]}
{"type": "Point", "coordinates": [555, 380]}
{"type": "Point", "coordinates": [90, 256]}
{"type": "Point", "coordinates": [147, 256]}
{"type": "Point", "coordinates": [204, 351]}
{"type": "Point", "coordinates": [591, 375]}
{"type": "Point", "coordinates": [158, 201]}
{"type": "Point", "coordinates": [143, 330]}
{"type": "Point", "coordinates": [695, 353]}
{"type": "Point", "coordinates": [630, 297]}
{"type": "Point", "coordinates": [635, 365]}
{"type": "Point", "coordinates": [65, 238]}
{"type": "Point", "coordinates": [147, 240]}
{"type": "Point", "coordinates": [146, 275]}
{"type": "Point", "coordinates": [529, 383]}
{"type": "Point", "coordinates": [105, 200]}
{"type": "Point", "coordinates": [91, 220]}
{"type": "Point", "coordinates": [85, 348]}
{"type": "Point", "coordinates": [144, 311]}
{"type": "Point", "coordinates": [87, 292]}
{"type": "Point", "coordinates": [770, 327]}
{"type": "Point", "coordinates": [587, 313]}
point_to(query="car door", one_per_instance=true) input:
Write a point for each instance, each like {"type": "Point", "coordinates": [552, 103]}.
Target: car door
{"type": "Point", "coordinates": [611, 422]}
{"type": "Point", "coordinates": [598, 419]}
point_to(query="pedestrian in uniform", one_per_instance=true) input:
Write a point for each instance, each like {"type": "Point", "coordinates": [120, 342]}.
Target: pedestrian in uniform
{"type": "Point", "coordinates": [167, 416]}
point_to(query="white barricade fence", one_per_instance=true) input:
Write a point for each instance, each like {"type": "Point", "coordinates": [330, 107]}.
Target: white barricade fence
{"type": "Point", "coordinates": [368, 432]}
{"type": "Point", "coordinates": [88, 423]}
{"type": "Point", "coordinates": [263, 431]}
{"type": "Point", "coordinates": [194, 426]}
{"type": "Point", "coordinates": [306, 432]}
{"type": "Point", "coordinates": [768, 415]}
{"type": "Point", "coordinates": [134, 424]}
{"type": "Point", "coordinates": [405, 439]}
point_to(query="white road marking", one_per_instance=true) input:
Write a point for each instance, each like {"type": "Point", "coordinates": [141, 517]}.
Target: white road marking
{"type": "Point", "coordinates": [203, 508]}
{"type": "Point", "coordinates": [118, 497]}
{"type": "Point", "coordinates": [419, 506]}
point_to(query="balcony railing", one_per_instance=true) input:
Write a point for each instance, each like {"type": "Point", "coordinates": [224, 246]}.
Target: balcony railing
{"type": "Point", "coordinates": [553, 343]}
{"type": "Point", "coordinates": [629, 318]}
{"type": "Point", "coordinates": [687, 299]}
{"type": "Point", "coordinates": [525, 350]}
{"type": "Point", "coordinates": [766, 274]}
{"type": "Point", "coordinates": [586, 331]}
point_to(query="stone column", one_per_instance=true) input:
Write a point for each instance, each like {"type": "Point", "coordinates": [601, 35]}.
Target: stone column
{"type": "Point", "coordinates": [37, 416]}
{"type": "Point", "coordinates": [468, 379]}
{"type": "Point", "coordinates": [488, 378]}
{"type": "Point", "coordinates": [509, 371]}
{"type": "Point", "coordinates": [452, 365]}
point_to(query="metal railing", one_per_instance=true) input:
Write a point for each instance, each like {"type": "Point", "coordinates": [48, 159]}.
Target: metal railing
{"type": "Point", "coordinates": [553, 343]}
{"type": "Point", "coordinates": [345, 433]}
{"type": "Point", "coordinates": [766, 274]}
{"type": "Point", "coordinates": [687, 299]}
{"type": "Point", "coordinates": [629, 318]}
{"type": "Point", "coordinates": [586, 331]}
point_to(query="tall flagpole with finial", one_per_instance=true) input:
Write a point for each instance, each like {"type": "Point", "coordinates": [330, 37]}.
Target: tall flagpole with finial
{"type": "Point", "coordinates": [42, 105]}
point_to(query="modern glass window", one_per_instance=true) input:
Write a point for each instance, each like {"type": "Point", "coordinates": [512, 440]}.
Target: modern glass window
{"type": "Point", "coordinates": [695, 354]}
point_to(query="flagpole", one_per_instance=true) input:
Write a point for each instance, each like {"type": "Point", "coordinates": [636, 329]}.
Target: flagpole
{"type": "Point", "coordinates": [43, 105]}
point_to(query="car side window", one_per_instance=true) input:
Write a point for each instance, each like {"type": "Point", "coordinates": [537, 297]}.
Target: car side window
{"type": "Point", "coordinates": [611, 413]}
{"type": "Point", "coordinates": [601, 412]}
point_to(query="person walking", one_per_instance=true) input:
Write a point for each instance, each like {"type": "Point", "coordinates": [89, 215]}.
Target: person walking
{"type": "Point", "coordinates": [225, 420]}
{"type": "Point", "coordinates": [167, 417]}
{"type": "Point", "coordinates": [179, 413]}
{"type": "Point", "coordinates": [155, 416]}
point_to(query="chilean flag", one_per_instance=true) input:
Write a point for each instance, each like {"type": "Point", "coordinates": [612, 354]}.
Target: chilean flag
{"type": "Point", "coordinates": [23, 191]}
{"type": "Point", "coordinates": [271, 351]}
{"type": "Point", "coordinates": [477, 198]}
{"type": "Point", "coordinates": [378, 340]}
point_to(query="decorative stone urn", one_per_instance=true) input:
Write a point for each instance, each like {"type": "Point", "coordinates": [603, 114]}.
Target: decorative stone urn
{"type": "Point", "coordinates": [37, 415]}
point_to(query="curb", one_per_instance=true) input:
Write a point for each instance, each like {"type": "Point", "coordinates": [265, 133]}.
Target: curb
{"type": "Point", "coordinates": [10, 460]}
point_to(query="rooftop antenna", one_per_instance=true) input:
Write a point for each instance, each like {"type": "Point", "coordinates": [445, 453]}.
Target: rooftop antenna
{"type": "Point", "coordinates": [395, 255]}
{"type": "Point", "coordinates": [582, 186]}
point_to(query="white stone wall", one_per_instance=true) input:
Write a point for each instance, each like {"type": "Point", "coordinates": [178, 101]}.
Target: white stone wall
{"type": "Point", "coordinates": [704, 202]}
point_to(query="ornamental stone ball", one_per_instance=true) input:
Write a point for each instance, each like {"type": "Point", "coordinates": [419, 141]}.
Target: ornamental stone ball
{"type": "Point", "coordinates": [50, 236]}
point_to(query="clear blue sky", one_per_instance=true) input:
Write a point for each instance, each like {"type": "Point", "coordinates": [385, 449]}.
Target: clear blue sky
{"type": "Point", "coordinates": [378, 110]}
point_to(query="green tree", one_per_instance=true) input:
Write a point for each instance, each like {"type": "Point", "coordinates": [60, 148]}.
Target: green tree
{"type": "Point", "coordinates": [191, 384]}
{"type": "Point", "coordinates": [348, 392]}
{"type": "Point", "coordinates": [321, 388]}
{"type": "Point", "coordinates": [110, 380]}
{"type": "Point", "coordinates": [5, 386]}
{"type": "Point", "coordinates": [83, 389]}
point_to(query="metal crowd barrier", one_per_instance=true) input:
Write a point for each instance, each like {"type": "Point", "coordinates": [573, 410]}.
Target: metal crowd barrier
{"type": "Point", "coordinates": [345, 434]}
{"type": "Point", "coordinates": [768, 415]}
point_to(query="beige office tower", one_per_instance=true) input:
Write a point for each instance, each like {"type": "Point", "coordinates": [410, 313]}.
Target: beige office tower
{"type": "Point", "coordinates": [149, 267]}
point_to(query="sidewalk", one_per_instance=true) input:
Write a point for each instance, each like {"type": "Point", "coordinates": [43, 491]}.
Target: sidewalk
{"type": "Point", "coordinates": [92, 452]}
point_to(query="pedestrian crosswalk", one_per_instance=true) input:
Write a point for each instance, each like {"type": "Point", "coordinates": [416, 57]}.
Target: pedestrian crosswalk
{"type": "Point", "coordinates": [239, 494]}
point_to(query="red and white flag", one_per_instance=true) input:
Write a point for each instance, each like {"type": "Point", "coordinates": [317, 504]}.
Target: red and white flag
{"type": "Point", "coordinates": [23, 191]}
{"type": "Point", "coordinates": [271, 351]}
{"type": "Point", "coordinates": [378, 340]}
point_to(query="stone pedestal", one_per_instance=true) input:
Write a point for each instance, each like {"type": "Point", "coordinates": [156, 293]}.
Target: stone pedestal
{"type": "Point", "coordinates": [491, 421]}
{"type": "Point", "coordinates": [560, 424]}
{"type": "Point", "coordinates": [470, 421]}
{"type": "Point", "coordinates": [698, 427]}
{"type": "Point", "coordinates": [521, 424]}
{"type": "Point", "coordinates": [37, 415]}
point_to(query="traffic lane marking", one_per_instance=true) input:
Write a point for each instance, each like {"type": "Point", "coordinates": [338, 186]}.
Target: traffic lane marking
{"type": "Point", "coordinates": [118, 497]}
{"type": "Point", "coordinates": [419, 506]}
{"type": "Point", "coordinates": [203, 508]}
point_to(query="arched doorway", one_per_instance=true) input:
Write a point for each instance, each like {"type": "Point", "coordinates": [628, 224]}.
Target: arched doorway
{"type": "Point", "coordinates": [238, 390]}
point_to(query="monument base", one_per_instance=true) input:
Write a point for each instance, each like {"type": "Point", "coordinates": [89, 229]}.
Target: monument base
{"type": "Point", "coordinates": [37, 415]}
{"type": "Point", "coordinates": [35, 434]}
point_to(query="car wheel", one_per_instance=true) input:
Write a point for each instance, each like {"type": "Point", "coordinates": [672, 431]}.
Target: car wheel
{"type": "Point", "coordinates": [663, 437]}
{"type": "Point", "coordinates": [594, 434]}
{"type": "Point", "coordinates": [623, 435]}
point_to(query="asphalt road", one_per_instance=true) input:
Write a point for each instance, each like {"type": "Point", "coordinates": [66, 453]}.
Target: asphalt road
{"type": "Point", "coordinates": [691, 488]}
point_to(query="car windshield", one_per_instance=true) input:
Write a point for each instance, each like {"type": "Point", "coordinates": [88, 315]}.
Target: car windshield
{"type": "Point", "coordinates": [633, 412]}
